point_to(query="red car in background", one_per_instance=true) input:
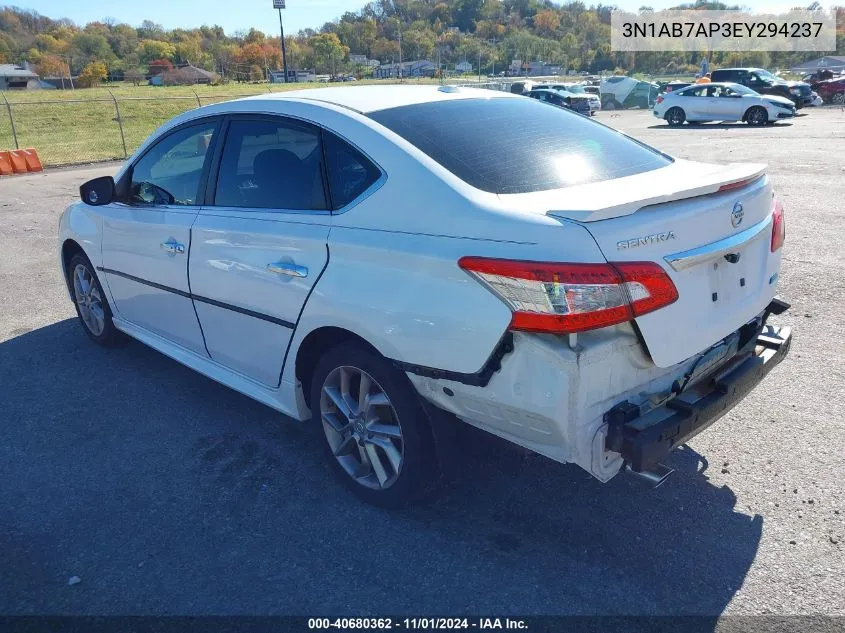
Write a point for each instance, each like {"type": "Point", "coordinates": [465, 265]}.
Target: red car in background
{"type": "Point", "coordinates": [832, 90]}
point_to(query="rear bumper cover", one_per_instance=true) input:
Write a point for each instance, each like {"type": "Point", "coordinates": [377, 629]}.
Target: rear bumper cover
{"type": "Point", "coordinates": [644, 440]}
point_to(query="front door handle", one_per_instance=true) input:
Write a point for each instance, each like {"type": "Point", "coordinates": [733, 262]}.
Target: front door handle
{"type": "Point", "coordinates": [287, 268]}
{"type": "Point", "coordinates": [172, 246]}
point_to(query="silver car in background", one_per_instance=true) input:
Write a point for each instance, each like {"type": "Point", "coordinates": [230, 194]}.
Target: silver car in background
{"type": "Point", "coordinates": [701, 103]}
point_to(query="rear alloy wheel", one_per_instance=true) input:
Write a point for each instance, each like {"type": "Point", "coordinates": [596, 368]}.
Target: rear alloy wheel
{"type": "Point", "coordinates": [90, 302]}
{"type": "Point", "coordinates": [757, 116]}
{"type": "Point", "coordinates": [838, 98]}
{"type": "Point", "coordinates": [376, 432]}
{"type": "Point", "coordinates": [675, 116]}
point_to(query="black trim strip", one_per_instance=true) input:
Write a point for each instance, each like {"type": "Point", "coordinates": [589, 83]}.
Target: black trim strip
{"type": "Point", "coordinates": [152, 284]}
{"type": "Point", "coordinates": [252, 313]}
{"type": "Point", "coordinates": [478, 379]}
{"type": "Point", "coordinates": [188, 295]}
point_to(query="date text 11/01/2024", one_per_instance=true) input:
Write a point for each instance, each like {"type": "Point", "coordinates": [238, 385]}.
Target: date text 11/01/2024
{"type": "Point", "coordinates": [417, 623]}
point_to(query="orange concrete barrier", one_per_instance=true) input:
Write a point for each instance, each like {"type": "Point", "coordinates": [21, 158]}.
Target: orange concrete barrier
{"type": "Point", "coordinates": [5, 164]}
{"type": "Point", "coordinates": [18, 162]}
{"type": "Point", "coordinates": [30, 156]}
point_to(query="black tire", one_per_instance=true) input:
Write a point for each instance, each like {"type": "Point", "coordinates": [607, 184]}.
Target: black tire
{"type": "Point", "coordinates": [109, 335]}
{"type": "Point", "coordinates": [756, 116]}
{"type": "Point", "coordinates": [675, 116]}
{"type": "Point", "coordinates": [417, 472]}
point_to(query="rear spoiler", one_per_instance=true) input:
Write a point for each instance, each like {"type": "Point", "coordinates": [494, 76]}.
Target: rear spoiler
{"type": "Point", "coordinates": [625, 196]}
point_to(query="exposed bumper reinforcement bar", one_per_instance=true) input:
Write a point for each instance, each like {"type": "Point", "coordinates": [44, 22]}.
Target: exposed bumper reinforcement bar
{"type": "Point", "coordinates": [644, 440]}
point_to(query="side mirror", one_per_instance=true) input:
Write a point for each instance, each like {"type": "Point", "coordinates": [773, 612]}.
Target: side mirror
{"type": "Point", "coordinates": [98, 192]}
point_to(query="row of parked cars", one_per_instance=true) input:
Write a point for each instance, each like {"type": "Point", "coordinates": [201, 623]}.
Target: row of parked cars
{"type": "Point", "coordinates": [752, 95]}
{"type": "Point", "coordinates": [583, 99]}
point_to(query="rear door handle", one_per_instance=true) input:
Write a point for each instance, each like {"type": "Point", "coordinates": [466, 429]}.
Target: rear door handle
{"type": "Point", "coordinates": [287, 268]}
{"type": "Point", "coordinates": [172, 246]}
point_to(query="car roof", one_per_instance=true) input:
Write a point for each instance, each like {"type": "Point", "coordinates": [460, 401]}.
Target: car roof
{"type": "Point", "coordinates": [365, 99]}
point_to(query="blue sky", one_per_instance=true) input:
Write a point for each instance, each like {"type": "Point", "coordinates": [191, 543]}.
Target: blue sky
{"type": "Point", "coordinates": [242, 14]}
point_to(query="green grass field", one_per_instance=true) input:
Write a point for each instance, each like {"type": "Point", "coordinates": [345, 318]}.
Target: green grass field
{"type": "Point", "coordinates": [80, 126]}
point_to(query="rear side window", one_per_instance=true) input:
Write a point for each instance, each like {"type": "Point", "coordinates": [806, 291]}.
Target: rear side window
{"type": "Point", "coordinates": [271, 164]}
{"type": "Point", "coordinates": [350, 172]}
{"type": "Point", "coordinates": [518, 145]}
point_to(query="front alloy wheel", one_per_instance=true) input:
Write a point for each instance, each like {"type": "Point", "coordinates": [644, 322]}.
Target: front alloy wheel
{"type": "Point", "coordinates": [757, 116]}
{"type": "Point", "coordinates": [362, 428]}
{"type": "Point", "coordinates": [89, 301]}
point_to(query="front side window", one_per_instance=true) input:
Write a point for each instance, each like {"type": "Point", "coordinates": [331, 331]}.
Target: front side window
{"type": "Point", "coordinates": [171, 171]}
{"type": "Point", "coordinates": [271, 164]}
{"type": "Point", "coordinates": [512, 145]}
{"type": "Point", "coordinates": [350, 172]}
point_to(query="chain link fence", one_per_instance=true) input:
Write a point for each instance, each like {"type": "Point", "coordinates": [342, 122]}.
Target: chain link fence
{"type": "Point", "coordinates": [72, 131]}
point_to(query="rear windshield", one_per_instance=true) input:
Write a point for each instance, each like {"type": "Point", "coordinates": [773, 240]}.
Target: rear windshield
{"type": "Point", "coordinates": [518, 145]}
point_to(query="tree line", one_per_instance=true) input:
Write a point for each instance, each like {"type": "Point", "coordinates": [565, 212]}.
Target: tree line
{"type": "Point", "coordinates": [489, 34]}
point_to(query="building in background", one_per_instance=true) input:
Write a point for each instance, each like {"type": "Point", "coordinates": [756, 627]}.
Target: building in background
{"type": "Point", "coordinates": [418, 68]}
{"type": "Point", "coordinates": [835, 63]}
{"type": "Point", "coordinates": [14, 77]}
{"type": "Point", "coordinates": [184, 76]}
{"type": "Point", "coordinates": [294, 76]}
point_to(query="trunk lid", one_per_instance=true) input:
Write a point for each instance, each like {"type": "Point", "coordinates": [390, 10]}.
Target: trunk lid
{"type": "Point", "coordinates": [714, 245]}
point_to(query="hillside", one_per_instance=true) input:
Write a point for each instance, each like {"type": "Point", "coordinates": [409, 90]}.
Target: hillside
{"type": "Point", "coordinates": [573, 36]}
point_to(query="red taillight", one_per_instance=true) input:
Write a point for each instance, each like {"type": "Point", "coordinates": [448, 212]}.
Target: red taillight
{"type": "Point", "coordinates": [660, 99]}
{"type": "Point", "coordinates": [738, 184]}
{"type": "Point", "coordinates": [778, 227]}
{"type": "Point", "coordinates": [564, 298]}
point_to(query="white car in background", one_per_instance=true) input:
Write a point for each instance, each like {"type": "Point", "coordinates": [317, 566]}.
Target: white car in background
{"type": "Point", "coordinates": [384, 262]}
{"type": "Point", "coordinates": [700, 103]}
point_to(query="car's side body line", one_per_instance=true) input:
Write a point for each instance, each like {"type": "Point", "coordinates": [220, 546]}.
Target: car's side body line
{"type": "Point", "coordinates": [189, 295]}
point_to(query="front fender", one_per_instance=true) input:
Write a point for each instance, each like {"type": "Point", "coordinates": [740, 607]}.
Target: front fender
{"type": "Point", "coordinates": [81, 224]}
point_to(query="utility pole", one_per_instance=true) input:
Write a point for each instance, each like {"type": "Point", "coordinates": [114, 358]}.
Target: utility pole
{"type": "Point", "coordinates": [400, 51]}
{"type": "Point", "coordinates": [280, 4]}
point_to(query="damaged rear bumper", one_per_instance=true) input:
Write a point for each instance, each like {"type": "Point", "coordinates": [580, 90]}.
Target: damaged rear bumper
{"type": "Point", "coordinates": [645, 439]}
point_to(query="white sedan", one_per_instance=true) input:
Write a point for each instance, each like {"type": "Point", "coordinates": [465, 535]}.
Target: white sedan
{"type": "Point", "coordinates": [384, 262]}
{"type": "Point", "coordinates": [701, 103]}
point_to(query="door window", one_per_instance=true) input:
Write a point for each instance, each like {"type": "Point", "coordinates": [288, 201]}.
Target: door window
{"type": "Point", "coordinates": [350, 173]}
{"type": "Point", "coordinates": [271, 164]}
{"type": "Point", "coordinates": [170, 172]}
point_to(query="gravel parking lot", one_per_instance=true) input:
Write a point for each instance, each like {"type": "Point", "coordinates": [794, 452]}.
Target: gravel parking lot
{"type": "Point", "coordinates": [166, 493]}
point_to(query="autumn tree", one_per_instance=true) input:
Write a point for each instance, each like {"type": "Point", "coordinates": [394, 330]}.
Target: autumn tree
{"type": "Point", "coordinates": [156, 49]}
{"type": "Point", "coordinates": [93, 75]}
{"type": "Point", "coordinates": [158, 66]}
{"type": "Point", "coordinates": [547, 22]}
{"type": "Point", "coordinates": [52, 66]}
{"type": "Point", "coordinates": [329, 51]}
